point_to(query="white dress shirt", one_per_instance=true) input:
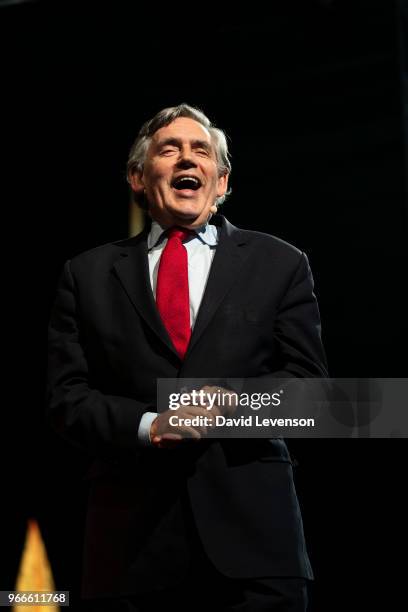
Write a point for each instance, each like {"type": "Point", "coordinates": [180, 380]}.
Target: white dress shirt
{"type": "Point", "coordinates": [200, 248]}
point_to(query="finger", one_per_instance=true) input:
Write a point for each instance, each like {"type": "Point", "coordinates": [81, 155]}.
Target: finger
{"type": "Point", "coordinates": [210, 389]}
{"type": "Point", "coordinates": [211, 421]}
{"type": "Point", "coordinates": [171, 436]}
{"type": "Point", "coordinates": [202, 431]}
{"type": "Point", "coordinates": [169, 440]}
{"type": "Point", "coordinates": [197, 411]}
{"type": "Point", "coordinates": [191, 432]}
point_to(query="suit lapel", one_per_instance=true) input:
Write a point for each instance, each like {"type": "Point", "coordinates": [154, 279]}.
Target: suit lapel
{"type": "Point", "coordinates": [133, 272]}
{"type": "Point", "coordinates": [226, 267]}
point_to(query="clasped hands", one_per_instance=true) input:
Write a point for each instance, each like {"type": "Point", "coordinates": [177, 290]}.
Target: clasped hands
{"type": "Point", "coordinates": [164, 434]}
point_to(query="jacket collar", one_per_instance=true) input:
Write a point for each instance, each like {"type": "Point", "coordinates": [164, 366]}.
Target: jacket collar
{"type": "Point", "coordinates": [206, 233]}
{"type": "Point", "coordinates": [133, 272]}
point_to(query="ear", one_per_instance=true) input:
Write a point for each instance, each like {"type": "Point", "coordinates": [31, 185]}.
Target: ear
{"type": "Point", "coordinates": [136, 182]}
{"type": "Point", "coordinates": [222, 185]}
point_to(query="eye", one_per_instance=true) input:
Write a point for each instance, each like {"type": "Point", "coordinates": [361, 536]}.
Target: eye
{"type": "Point", "coordinates": [202, 152]}
{"type": "Point", "coordinates": [168, 151]}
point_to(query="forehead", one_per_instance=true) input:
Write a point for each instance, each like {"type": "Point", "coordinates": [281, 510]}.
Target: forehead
{"type": "Point", "coordinates": [182, 128]}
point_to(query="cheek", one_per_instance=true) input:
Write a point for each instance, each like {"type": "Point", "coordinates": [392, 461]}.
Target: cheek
{"type": "Point", "coordinates": [158, 185]}
{"type": "Point", "coordinates": [155, 176]}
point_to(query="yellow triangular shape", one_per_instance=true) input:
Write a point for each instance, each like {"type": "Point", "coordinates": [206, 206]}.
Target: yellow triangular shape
{"type": "Point", "coordinates": [35, 572]}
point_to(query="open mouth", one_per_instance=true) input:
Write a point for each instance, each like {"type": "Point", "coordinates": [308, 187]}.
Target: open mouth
{"type": "Point", "coordinates": [186, 182]}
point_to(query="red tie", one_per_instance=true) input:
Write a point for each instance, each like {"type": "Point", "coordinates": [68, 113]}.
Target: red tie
{"type": "Point", "coordinates": [172, 297]}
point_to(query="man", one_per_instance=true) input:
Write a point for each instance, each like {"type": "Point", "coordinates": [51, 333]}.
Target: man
{"type": "Point", "coordinates": [199, 522]}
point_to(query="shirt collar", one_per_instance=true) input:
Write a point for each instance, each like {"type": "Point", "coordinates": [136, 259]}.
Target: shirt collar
{"type": "Point", "coordinates": [207, 233]}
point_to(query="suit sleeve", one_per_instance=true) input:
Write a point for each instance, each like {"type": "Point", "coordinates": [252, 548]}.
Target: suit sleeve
{"type": "Point", "coordinates": [103, 425]}
{"type": "Point", "coordinates": [297, 334]}
{"type": "Point", "coordinates": [298, 328]}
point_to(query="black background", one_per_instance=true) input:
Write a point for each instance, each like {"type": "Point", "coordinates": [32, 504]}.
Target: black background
{"type": "Point", "coordinates": [311, 96]}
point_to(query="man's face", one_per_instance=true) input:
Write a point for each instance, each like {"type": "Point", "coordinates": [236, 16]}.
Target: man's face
{"type": "Point", "coordinates": [180, 174]}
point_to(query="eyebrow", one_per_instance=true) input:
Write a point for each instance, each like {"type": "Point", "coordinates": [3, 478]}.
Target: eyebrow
{"type": "Point", "coordinates": [176, 142]}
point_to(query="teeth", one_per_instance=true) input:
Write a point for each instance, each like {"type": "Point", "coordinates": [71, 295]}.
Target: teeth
{"type": "Point", "coordinates": [188, 178]}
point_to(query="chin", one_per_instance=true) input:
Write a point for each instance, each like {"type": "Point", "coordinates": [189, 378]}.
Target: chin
{"type": "Point", "coordinates": [187, 212]}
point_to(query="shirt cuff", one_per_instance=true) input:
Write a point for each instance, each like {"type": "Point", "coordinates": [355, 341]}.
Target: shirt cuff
{"type": "Point", "coordinates": [144, 427]}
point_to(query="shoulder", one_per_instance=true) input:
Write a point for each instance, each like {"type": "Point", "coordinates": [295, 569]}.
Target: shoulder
{"type": "Point", "coordinates": [104, 255]}
{"type": "Point", "coordinates": [270, 242]}
{"type": "Point", "coordinates": [263, 245]}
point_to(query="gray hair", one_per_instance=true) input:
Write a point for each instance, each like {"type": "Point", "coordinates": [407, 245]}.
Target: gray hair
{"type": "Point", "coordinates": [164, 117]}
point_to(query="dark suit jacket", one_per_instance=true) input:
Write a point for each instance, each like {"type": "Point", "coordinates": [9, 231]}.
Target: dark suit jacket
{"type": "Point", "coordinates": [258, 318]}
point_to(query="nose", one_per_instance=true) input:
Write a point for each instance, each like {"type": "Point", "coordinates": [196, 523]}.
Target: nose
{"type": "Point", "coordinates": [186, 160]}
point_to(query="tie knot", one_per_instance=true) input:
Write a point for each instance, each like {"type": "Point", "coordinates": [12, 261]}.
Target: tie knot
{"type": "Point", "coordinates": [179, 232]}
